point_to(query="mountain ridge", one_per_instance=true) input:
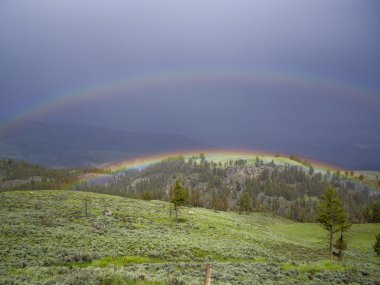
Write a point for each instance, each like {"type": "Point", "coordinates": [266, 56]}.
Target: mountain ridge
{"type": "Point", "coordinates": [69, 145]}
{"type": "Point", "coordinates": [76, 145]}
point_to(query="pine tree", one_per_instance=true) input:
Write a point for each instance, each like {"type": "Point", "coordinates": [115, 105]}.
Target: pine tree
{"type": "Point", "coordinates": [245, 203]}
{"type": "Point", "coordinates": [311, 170]}
{"type": "Point", "coordinates": [178, 197]}
{"type": "Point", "coordinates": [376, 246]}
{"type": "Point", "coordinates": [376, 212]}
{"type": "Point", "coordinates": [331, 215]}
{"type": "Point", "coordinates": [341, 243]}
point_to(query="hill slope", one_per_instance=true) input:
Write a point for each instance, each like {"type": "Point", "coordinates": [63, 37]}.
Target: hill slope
{"type": "Point", "coordinates": [66, 145]}
{"type": "Point", "coordinates": [47, 237]}
{"type": "Point", "coordinates": [274, 184]}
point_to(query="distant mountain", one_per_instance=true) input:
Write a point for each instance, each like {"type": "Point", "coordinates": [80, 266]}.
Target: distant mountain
{"type": "Point", "coordinates": [348, 155]}
{"type": "Point", "coordinates": [68, 145]}
{"type": "Point", "coordinates": [342, 152]}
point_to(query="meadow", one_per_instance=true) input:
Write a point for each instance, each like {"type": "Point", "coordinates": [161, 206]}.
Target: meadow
{"type": "Point", "coordinates": [64, 237]}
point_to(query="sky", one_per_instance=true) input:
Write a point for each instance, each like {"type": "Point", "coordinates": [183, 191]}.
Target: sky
{"type": "Point", "coordinates": [255, 74]}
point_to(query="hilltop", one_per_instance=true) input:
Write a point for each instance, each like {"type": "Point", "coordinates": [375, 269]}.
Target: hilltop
{"type": "Point", "coordinates": [47, 238]}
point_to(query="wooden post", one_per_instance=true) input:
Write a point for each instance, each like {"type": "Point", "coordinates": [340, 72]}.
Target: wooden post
{"type": "Point", "coordinates": [208, 274]}
{"type": "Point", "coordinates": [86, 200]}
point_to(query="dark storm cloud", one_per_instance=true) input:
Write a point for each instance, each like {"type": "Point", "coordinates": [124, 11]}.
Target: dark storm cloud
{"type": "Point", "coordinates": [48, 48]}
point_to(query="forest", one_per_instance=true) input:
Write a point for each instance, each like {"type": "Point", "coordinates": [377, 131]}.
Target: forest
{"type": "Point", "coordinates": [289, 191]}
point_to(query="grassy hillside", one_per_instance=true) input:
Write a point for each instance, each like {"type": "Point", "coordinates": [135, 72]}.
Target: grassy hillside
{"type": "Point", "coordinates": [46, 238]}
{"type": "Point", "coordinates": [274, 184]}
{"type": "Point", "coordinates": [370, 178]}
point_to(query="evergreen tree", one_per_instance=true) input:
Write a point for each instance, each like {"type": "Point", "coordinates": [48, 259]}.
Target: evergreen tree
{"type": "Point", "coordinates": [376, 212]}
{"type": "Point", "coordinates": [195, 198]}
{"type": "Point", "coordinates": [219, 201]}
{"type": "Point", "coordinates": [376, 246]}
{"type": "Point", "coordinates": [257, 162]}
{"type": "Point", "coordinates": [178, 197]}
{"type": "Point", "coordinates": [311, 170]}
{"type": "Point", "coordinates": [341, 243]}
{"type": "Point", "coordinates": [331, 215]}
{"type": "Point", "coordinates": [245, 203]}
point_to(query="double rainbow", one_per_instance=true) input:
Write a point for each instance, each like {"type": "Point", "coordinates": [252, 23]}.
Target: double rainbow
{"type": "Point", "coordinates": [148, 83]}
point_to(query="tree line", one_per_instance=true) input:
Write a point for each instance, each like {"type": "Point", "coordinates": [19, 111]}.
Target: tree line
{"type": "Point", "coordinates": [22, 175]}
{"type": "Point", "coordinates": [285, 190]}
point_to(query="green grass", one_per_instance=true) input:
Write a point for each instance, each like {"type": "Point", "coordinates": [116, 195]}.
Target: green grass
{"type": "Point", "coordinates": [45, 237]}
{"type": "Point", "coordinates": [314, 267]}
{"type": "Point", "coordinates": [370, 178]}
{"type": "Point", "coordinates": [116, 261]}
{"type": "Point", "coordinates": [370, 175]}
{"type": "Point", "coordinates": [313, 234]}
{"type": "Point", "coordinates": [360, 237]}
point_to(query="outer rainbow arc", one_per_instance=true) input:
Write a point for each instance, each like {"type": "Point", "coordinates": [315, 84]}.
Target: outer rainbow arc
{"type": "Point", "coordinates": [132, 85]}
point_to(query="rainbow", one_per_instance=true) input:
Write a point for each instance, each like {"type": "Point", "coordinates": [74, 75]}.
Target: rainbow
{"type": "Point", "coordinates": [135, 85]}
{"type": "Point", "coordinates": [215, 155]}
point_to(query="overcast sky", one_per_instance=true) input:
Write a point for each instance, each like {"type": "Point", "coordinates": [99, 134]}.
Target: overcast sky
{"type": "Point", "coordinates": [50, 48]}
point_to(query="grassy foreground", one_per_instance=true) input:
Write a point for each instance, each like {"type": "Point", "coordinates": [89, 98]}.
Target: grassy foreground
{"type": "Point", "coordinates": [46, 238]}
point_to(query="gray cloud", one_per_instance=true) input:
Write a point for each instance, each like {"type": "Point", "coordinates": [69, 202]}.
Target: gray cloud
{"type": "Point", "coordinates": [48, 48]}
